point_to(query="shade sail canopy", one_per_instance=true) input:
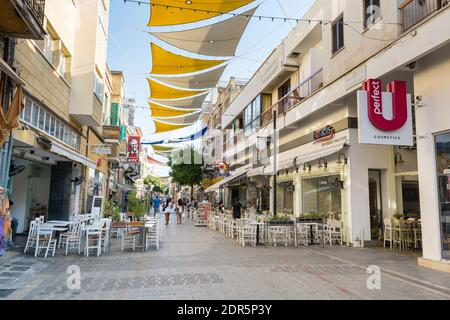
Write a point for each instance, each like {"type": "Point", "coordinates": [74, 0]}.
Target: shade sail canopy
{"type": "Point", "coordinates": [192, 137]}
{"type": "Point", "coordinates": [218, 39]}
{"type": "Point", "coordinates": [203, 80]}
{"type": "Point", "coordinates": [172, 12]}
{"type": "Point", "coordinates": [166, 62]}
{"type": "Point", "coordinates": [237, 174]}
{"type": "Point", "coordinates": [160, 90]}
{"type": "Point", "coordinates": [162, 148]}
{"type": "Point", "coordinates": [190, 118]}
{"type": "Point", "coordinates": [188, 103]}
{"type": "Point", "coordinates": [159, 110]}
{"type": "Point", "coordinates": [153, 160]}
{"type": "Point", "coordinates": [162, 126]}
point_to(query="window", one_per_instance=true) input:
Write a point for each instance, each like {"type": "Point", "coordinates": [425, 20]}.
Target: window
{"type": "Point", "coordinates": [98, 86]}
{"type": "Point", "coordinates": [62, 64]}
{"type": "Point", "coordinates": [337, 30]}
{"type": "Point", "coordinates": [27, 111]}
{"type": "Point", "coordinates": [321, 195]}
{"type": "Point", "coordinates": [284, 89]}
{"type": "Point", "coordinates": [36, 116]}
{"type": "Point", "coordinates": [252, 115]}
{"type": "Point", "coordinates": [103, 15]}
{"type": "Point", "coordinates": [372, 12]}
{"type": "Point", "coordinates": [48, 47]}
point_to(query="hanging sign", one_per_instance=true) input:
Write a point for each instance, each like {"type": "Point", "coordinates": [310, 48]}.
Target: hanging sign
{"type": "Point", "coordinates": [384, 117]}
{"type": "Point", "coordinates": [101, 149]}
{"type": "Point", "coordinates": [134, 148]}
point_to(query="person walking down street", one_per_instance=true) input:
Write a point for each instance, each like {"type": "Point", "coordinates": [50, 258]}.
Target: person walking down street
{"type": "Point", "coordinates": [168, 209]}
{"type": "Point", "coordinates": [237, 208]}
{"type": "Point", "coordinates": [156, 205]}
{"type": "Point", "coordinates": [180, 210]}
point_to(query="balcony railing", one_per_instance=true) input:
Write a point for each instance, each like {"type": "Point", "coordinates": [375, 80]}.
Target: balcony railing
{"type": "Point", "coordinates": [414, 11]}
{"type": "Point", "coordinates": [36, 8]}
{"type": "Point", "coordinates": [306, 88]}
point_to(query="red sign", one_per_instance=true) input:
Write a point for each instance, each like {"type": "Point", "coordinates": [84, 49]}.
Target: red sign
{"type": "Point", "coordinates": [375, 104]}
{"type": "Point", "coordinates": [134, 148]}
{"type": "Point", "coordinates": [325, 134]}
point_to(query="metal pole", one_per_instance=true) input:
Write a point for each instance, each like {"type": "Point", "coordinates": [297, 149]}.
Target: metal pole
{"type": "Point", "coordinates": [274, 151]}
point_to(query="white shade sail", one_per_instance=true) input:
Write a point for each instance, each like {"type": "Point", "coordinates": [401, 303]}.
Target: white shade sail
{"type": "Point", "coordinates": [219, 39]}
{"type": "Point", "coordinates": [189, 103]}
{"type": "Point", "coordinates": [198, 81]}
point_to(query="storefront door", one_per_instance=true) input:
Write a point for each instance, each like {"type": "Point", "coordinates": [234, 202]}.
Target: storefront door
{"type": "Point", "coordinates": [376, 214]}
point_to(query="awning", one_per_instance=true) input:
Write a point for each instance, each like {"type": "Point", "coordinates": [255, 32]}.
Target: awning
{"type": "Point", "coordinates": [125, 187]}
{"type": "Point", "coordinates": [218, 39]}
{"type": "Point", "coordinates": [166, 62]}
{"type": "Point", "coordinates": [184, 119]}
{"type": "Point", "coordinates": [256, 172]}
{"type": "Point", "coordinates": [236, 175]}
{"type": "Point", "coordinates": [160, 90]}
{"type": "Point", "coordinates": [162, 126]}
{"type": "Point", "coordinates": [203, 80]}
{"type": "Point", "coordinates": [159, 110]}
{"type": "Point", "coordinates": [173, 12]}
{"type": "Point", "coordinates": [72, 155]}
{"type": "Point", "coordinates": [187, 103]}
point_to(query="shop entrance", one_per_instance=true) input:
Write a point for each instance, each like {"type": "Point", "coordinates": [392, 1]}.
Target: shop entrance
{"type": "Point", "coordinates": [375, 200]}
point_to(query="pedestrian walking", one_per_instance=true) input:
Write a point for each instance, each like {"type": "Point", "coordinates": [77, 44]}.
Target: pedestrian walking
{"type": "Point", "coordinates": [168, 209]}
{"type": "Point", "coordinates": [180, 210]}
{"type": "Point", "coordinates": [156, 205]}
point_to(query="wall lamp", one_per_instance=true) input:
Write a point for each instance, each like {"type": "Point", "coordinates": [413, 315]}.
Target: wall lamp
{"type": "Point", "coordinates": [340, 159]}
{"type": "Point", "coordinates": [322, 163]}
{"type": "Point", "coordinates": [307, 165]}
{"type": "Point", "coordinates": [294, 165]}
{"type": "Point", "coordinates": [398, 158]}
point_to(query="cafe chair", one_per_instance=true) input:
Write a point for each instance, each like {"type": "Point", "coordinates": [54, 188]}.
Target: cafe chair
{"type": "Point", "coordinates": [302, 233]}
{"type": "Point", "coordinates": [332, 232]}
{"type": "Point", "coordinates": [32, 235]}
{"type": "Point", "coordinates": [387, 232]}
{"type": "Point", "coordinates": [73, 239]}
{"type": "Point", "coordinates": [152, 237]}
{"type": "Point", "coordinates": [94, 239]}
{"type": "Point", "coordinates": [129, 239]}
{"type": "Point", "coordinates": [278, 235]}
{"type": "Point", "coordinates": [417, 236]}
{"type": "Point", "coordinates": [44, 240]}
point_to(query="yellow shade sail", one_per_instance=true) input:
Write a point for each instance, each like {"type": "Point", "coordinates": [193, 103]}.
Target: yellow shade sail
{"type": "Point", "coordinates": [203, 80]}
{"type": "Point", "coordinates": [159, 110]}
{"type": "Point", "coordinates": [159, 90]}
{"type": "Point", "coordinates": [162, 148]}
{"type": "Point", "coordinates": [187, 103]}
{"type": "Point", "coordinates": [166, 62]}
{"type": "Point", "coordinates": [162, 126]}
{"type": "Point", "coordinates": [188, 118]}
{"type": "Point", "coordinates": [172, 12]}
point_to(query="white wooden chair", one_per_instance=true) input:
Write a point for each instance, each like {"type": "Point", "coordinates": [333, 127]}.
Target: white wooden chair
{"type": "Point", "coordinates": [152, 237]}
{"type": "Point", "coordinates": [73, 240]}
{"type": "Point", "coordinates": [302, 234]}
{"type": "Point", "coordinates": [32, 235]}
{"type": "Point", "coordinates": [245, 233]}
{"type": "Point", "coordinates": [129, 239]}
{"type": "Point", "coordinates": [44, 240]}
{"type": "Point", "coordinates": [278, 235]}
{"type": "Point", "coordinates": [387, 232]}
{"type": "Point", "coordinates": [332, 232]}
{"type": "Point", "coordinates": [93, 238]}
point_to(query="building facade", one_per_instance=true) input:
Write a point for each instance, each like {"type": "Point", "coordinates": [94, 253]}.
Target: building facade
{"type": "Point", "coordinates": [318, 160]}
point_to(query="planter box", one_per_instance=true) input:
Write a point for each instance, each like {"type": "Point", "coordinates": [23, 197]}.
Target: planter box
{"type": "Point", "coordinates": [279, 223]}
{"type": "Point", "coordinates": [310, 220]}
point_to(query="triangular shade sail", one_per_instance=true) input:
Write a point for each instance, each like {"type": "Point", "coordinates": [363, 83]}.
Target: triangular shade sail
{"type": "Point", "coordinates": [219, 39]}
{"type": "Point", "coordinates": [189, 103]}
{"type": "Point", "coordinates": [162, 126]}
{"type": "Point", "coordinates": [162, 148]}
{"type": "Point", "coordinates": [172, 12]}
{"type": "Point", "coordinates": [153, 160]}
{"type": "Point", "coordinates": [198, 81]}
{"type": "Point", "coordinates": [166, 62]}
{"type": "Point", "coordinates": [164, 111]}
{"type": "Point", "coordinates": [191, 118]}
{"type": "Point", "coordinates": [161, 91]}
{"type": "Point", "coordinates": [192, 137]}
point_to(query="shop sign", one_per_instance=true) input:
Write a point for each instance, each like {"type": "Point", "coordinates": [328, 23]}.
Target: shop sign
{"type": "Point", "coordinates": [324, 134]}
{"type": "Point", "coordinates": [133, 149]}
{"type": "Point", "coordinates": [101, 149]}
{"type": "Point", "coordinates": [384, 117]}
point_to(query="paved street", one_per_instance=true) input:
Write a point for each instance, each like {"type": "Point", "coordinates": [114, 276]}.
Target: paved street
{"type": "Point", "coordinates": [198, 263]}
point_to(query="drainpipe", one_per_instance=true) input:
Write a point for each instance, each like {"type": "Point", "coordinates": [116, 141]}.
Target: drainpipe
{"type": "Point", "coordinates": [274, 163]}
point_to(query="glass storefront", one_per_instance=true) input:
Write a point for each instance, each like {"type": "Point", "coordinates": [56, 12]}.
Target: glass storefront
{"type": "Point", "coordinates": [95, 187]}
{"type": "Point", "coordinates": [321, 195]}
{"type": "Point", "coordinates": [442, 142]}
{"type": "Point", "coordinates": [285, 196]}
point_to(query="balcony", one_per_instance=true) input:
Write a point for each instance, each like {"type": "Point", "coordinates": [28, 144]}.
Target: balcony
{"type": "Point", "coordinates": [86, 109]}
{"type": "Point", "coordinates": [414, 11]}
{"type": "Point", "coordinates": [306, 88]}
{"type": "Point", "coordinates": [22, 19]}
{"type": "Point", "coordinates": [111, 134]}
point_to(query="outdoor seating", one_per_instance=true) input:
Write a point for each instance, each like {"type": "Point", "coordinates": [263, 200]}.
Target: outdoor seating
{"type": "Point", "coordinates": [278, 235]}
{"type": "Point", "coordinates": [129, 239]}
{"type": "Point", "coordinates": [44, 240]}
{"type": "Point", "coordinates": [387, 233]}
{"type": "Point", "coordinates": [332, 231]}
{"type": "Point", "coordinates": [152, 237]}
{"type": "Point", "coordinates": [73, 238]}
{"type": "Point", "coordinates": [118, 228]}
{"type": "Point", "coordinates": [302, 234]}
{"type": "Point", "coordinates": [94, 238]}
{"type": "Point", "coordinates": [32, 235]}
{"type": "Point", "coordinates": [246, 233]}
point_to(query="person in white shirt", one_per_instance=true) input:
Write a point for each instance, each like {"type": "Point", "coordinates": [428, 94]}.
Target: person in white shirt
{"type": "Point", "coordinates": [168, 208]}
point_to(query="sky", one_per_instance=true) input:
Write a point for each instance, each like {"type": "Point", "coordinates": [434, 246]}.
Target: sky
{"type": "Point", "coordinates": [129, 47]}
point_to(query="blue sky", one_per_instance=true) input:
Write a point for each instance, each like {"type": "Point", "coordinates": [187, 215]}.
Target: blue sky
{"type": "Point", "coordinates": [129, 46]}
